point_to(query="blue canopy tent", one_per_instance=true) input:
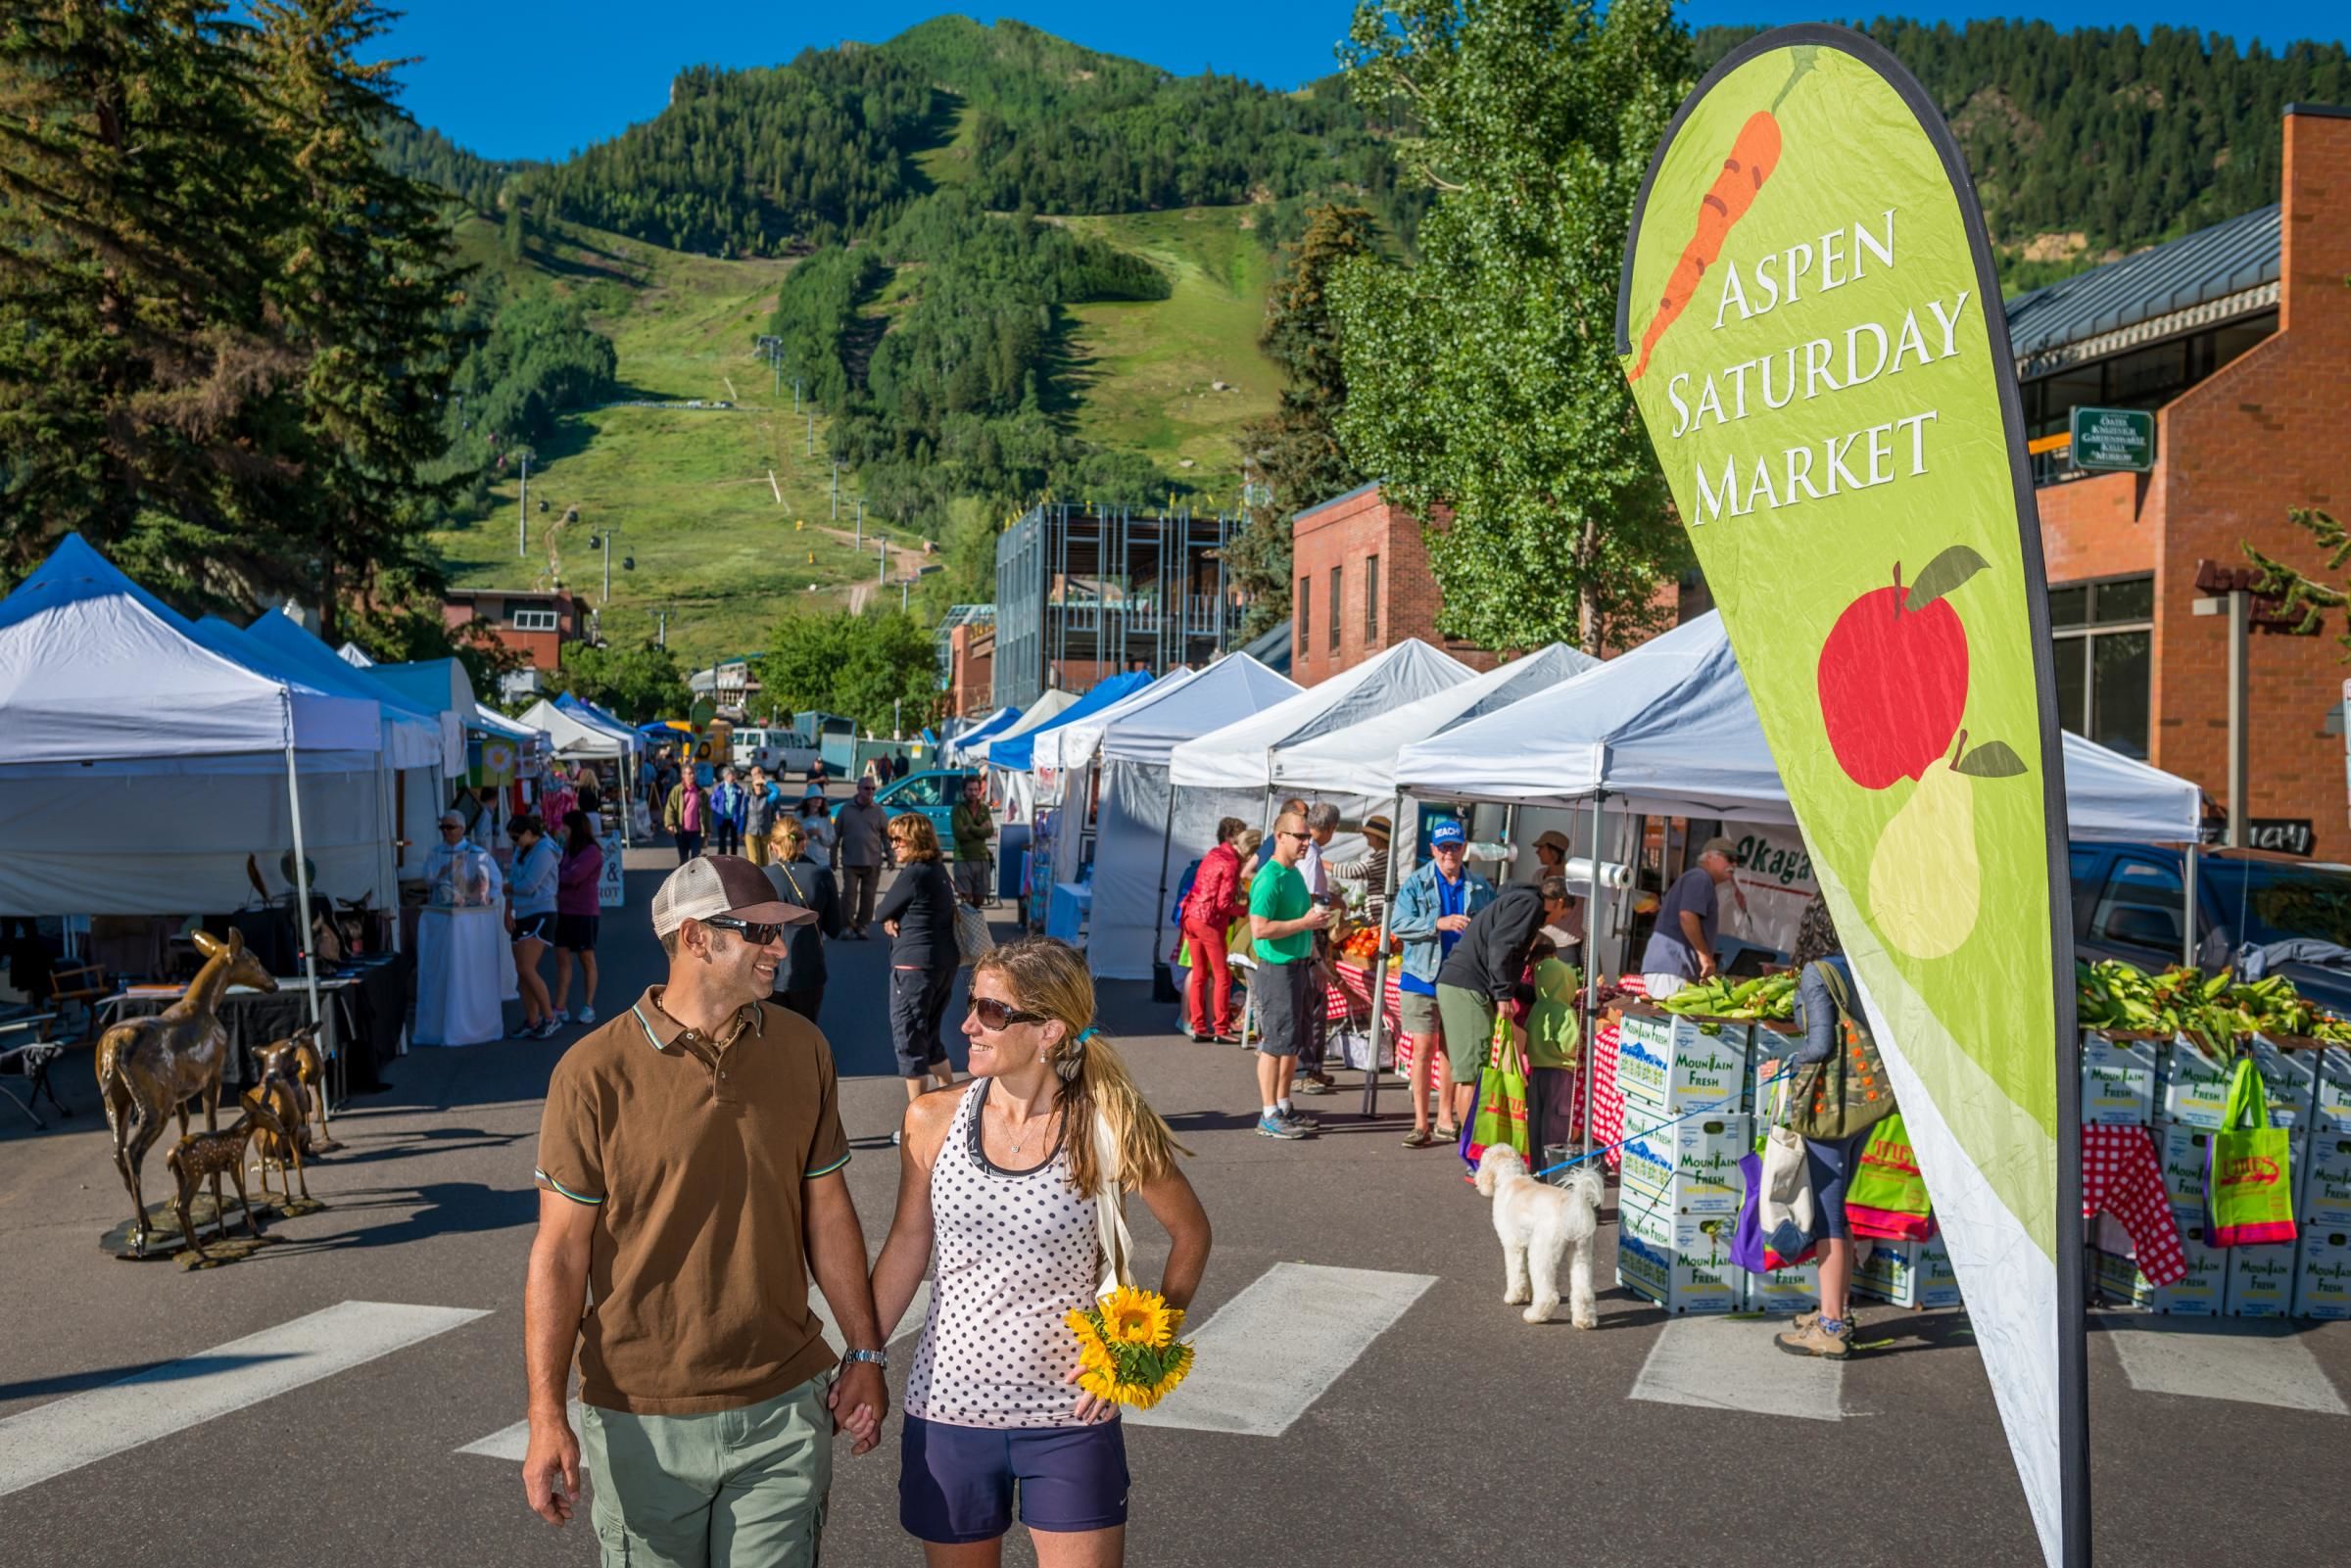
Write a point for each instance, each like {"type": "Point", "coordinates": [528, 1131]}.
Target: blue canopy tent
{"type": "Point", "coordinates": [1019, 753]}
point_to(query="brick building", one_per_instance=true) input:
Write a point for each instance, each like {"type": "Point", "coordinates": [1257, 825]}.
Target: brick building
{"type": "Point", "coordinates": [535, 623]}
{"type": "Point", "coordinates": [1361, 582]}
{"type": "Point", "coordinates": [2238, 339]}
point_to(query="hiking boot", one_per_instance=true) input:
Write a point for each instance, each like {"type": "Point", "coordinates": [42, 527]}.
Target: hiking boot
{"type": "Point", "coordinates": [1804, 1320]}
{"type": "Point", "coordinates": [1274, 1127]}
{"type": "Point", "coordinates": [1318, 1084]}
{"type": "Point", "coordinates": [1815, 1340]}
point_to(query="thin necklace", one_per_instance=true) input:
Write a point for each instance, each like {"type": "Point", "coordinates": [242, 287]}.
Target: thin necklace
{"type": "Point", "coordinates": [1022, 1142]}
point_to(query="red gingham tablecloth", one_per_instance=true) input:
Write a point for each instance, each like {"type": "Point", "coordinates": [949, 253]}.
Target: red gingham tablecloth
{"type": "Point", "coordinates": [2121, 1175]}
{"type": "Point", "coordinates": [1607, 1105]}
{"type": "Point", "coordinates": [1353, 994]}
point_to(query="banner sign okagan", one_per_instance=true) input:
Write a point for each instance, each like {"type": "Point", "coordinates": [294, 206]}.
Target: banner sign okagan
{"type": "Point", "coordinates": [1813, 333]}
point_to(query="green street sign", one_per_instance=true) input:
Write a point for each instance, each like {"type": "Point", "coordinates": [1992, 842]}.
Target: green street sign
{"type": "Point", "coordinates": [2114, 439]}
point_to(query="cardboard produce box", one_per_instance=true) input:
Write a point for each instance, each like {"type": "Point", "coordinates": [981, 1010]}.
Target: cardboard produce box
{"type": "Point", "coordinates": [2324, 1201]}
{"type": "Point", "coordinates": [1908, 1274]}
{"type": "Point", "coordinates": [1690, 1167]}
{"type": "Point", "coordinates": [2290, 1073]}
{"type": "Point", "coordinates": [1680, 1261]}
{"type": "Point", "coordinates": [2330, 1107]}
{"type": "Point", "coordinates": [2203, 1292]}
{"type": "Point", "coordinates": [2118, 1080]}
{"type": "Point", "coordinates": [2261, 1280]}
{"type": "Point", "coordinates": [1675, 1065]}
{"type": "Point", "coordinates": [1783, 1291]}
{"type": "Point", "coordinates": [2322, 1273]}
{"type": "Point", "coordinates": [2195, 1084]}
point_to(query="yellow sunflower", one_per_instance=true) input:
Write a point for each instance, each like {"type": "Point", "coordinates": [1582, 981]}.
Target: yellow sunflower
{"type": "Point", "coordinates": [1133, 1316]}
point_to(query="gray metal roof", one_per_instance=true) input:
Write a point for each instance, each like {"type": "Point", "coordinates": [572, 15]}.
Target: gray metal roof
{"type": "Point", "coordinates": [1271, 649]}
{"type": "Point", "coordinates": [2194, 269]}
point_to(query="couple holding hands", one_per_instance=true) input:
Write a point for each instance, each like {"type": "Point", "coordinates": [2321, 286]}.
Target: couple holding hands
{"type": "Point", "coordinates": [690, 1181]}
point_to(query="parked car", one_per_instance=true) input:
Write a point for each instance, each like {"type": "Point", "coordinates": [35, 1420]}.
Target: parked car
{"type": "Point", "coordinates": [933, 792]}
{"type": "Point", "coordinates": [2131, 902]}
{"type": "Point", "coordinates": [779, 751]}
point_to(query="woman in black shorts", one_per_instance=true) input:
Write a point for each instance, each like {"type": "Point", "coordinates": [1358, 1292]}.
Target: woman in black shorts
{"type": "Point", "coordinates": [1009, 1197]}
{"type": "Point", "coordinates": [578, 891]}
{"type": "Point", "coordinates": [919, 914]}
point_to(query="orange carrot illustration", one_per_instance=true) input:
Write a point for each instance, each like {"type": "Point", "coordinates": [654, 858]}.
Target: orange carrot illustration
{"type": "Point", "coordinates": [1753, 156]}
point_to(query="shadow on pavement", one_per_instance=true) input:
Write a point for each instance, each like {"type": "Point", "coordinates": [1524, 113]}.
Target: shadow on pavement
{"type": "Point", "coordinates": [146, 1371]}
{"type": "Point", "coordinates": [442, 1208]}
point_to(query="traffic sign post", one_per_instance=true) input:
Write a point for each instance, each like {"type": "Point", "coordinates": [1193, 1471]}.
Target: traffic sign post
{"type": "Point", "coordinates": [2114, 439]}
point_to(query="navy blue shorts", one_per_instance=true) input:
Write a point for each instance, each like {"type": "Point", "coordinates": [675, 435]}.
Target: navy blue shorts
{"type": "Point", "coordinates": [1831, 1166]}
{"type": "Point", "coordinates": [956, 1483]}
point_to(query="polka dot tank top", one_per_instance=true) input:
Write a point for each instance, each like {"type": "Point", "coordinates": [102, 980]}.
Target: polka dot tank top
{"type": "Point", "coordinates": [1012, 1252]}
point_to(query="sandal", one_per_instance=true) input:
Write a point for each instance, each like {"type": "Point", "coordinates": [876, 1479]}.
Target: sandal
{"type": "Point", "coordinates": [1420, 1138]}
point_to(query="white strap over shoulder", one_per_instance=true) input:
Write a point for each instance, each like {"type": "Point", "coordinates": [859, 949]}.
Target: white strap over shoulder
{"type": "Point", "coordinates": [1110, 1212]}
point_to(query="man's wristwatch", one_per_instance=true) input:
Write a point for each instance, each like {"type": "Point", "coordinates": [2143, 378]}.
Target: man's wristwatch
{"type": "Point", "coordinates": [879, 1359]}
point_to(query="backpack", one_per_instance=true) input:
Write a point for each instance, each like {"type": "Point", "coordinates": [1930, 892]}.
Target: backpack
{"type": "Point", "coordinates": [1849, 1093]}
{"type": "Point", "coordinates": [1183, 893]}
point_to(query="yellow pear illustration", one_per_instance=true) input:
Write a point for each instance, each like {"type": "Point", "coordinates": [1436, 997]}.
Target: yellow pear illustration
{"type": "Point", "coordinates": [1925, 886]}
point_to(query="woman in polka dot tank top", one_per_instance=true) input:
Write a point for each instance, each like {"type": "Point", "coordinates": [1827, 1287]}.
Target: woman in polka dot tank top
{"type": "Point", "coordinates": [1009, 1190]}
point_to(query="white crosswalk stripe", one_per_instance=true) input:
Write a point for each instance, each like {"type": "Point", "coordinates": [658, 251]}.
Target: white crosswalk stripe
{"type": "Point", "coordinates": [1267, 1355]}
{"type": "Point", "coordinates": [511, 1443]}
{"type": "Point", "coordinates": [1730, 1363]}
{"type": "Point", "coordinates": [51, 1440]}
{"type": "Point", "coordinates": [2251, 1361]}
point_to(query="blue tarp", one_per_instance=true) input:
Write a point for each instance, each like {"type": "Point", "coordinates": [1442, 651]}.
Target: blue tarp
{"type": "Point", "coordinates": [1015, 754]}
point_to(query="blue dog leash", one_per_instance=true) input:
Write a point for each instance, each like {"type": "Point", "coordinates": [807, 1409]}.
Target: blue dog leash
{"type": "Point", "coordinates": [1702, 1110]}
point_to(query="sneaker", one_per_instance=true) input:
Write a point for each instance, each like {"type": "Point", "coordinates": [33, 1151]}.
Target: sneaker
{"type": "Point", "coordinates": [1815, 1340]}
{"type": "Point", "coordinates": [586, 1015]}
{"type": "Point", "coordinates": [562, 1015]}
{"type": "Point", "coordinates": [1274, 1127]}
{"type": "Point", "coordinates": [525, 1030]}
{"type": "Point", "coordinates": [548, 1029]}
{"type": "Point", "coordinates": [1299, 1118]}
{"type": "Point", "coordinates": [1318, 1084]}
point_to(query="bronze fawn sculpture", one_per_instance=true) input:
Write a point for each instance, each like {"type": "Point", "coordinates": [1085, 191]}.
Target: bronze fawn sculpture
{"type": "Point", "coordinates": [198, 1154]}
{"type": "Point", "coordinates": [148, 1067]}
{"type": "Point", "coordinates": [295, 1057]}
{"type": "Point", "coordinates": [284, 1143]}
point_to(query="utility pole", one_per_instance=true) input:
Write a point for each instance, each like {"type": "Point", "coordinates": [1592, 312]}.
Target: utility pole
{"type": "Point", "coordinates": [2236, 601]}
{"type": "Point", "coordinates": [904, 584]}
{"type": "Point", "coordinates": [522, 512]}
{"type": "Point", "coordinates": [861, 522]}
{"type": "Point", "coordinates": [881, 561]}
{"type": "Point", "coordinates": [812, 430]}
{"type": "Point", "coordinates": [837, 490]}
{"type": "Point", "coordinates": [662, 636]}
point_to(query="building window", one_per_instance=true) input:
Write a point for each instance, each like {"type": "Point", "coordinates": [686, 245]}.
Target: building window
{"type": "Point", "coordinates": [2105, 635]}
{"type": "Point", "coordinates": [1336, 596]}
{"type": "Point", "coordinates": [1371, 603]}
{"type": "Point", "coordinates": [2145, 377]}
{"type": "Point", "coordinates": [1305, 606]}
{"type": "Point", "coordinates": [534, 620]}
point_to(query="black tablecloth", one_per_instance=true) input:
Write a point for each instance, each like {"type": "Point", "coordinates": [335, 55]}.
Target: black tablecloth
{"type": "Point", "coordinates": [361, 1020]}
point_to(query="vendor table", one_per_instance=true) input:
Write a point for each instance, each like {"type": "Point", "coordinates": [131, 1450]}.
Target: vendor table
{"type": "Point", "coordinates": [360, 1020]}
{"type": "Point", "coordinates": [464, 968]}
{"type": "Point", "coordinates": [1352, 996]}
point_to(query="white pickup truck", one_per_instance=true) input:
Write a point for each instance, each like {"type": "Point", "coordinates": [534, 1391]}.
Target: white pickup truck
{"type": "Point", "coordinates": [779, 751]}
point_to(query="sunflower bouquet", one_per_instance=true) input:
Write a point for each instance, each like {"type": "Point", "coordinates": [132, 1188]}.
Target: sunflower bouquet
{"type": "Point", "coordinates": [1127, 1352]}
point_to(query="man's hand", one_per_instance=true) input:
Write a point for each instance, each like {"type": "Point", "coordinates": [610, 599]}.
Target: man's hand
{"type": "Point", "coordinates": [1453, 922]}
{"type": "Point", "coordinates": [892, 927]}
{"type": "Point", "coordinates": [1317, 917]}
{"type": "Point", "coordinates": [551, 1469]}
{"type": "Point", "coordinates": [1706, 966]}
{"type": "Point", "coordinates": [858, 1401]}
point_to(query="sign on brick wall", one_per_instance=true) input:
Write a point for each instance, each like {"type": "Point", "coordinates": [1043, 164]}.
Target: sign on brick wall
{"type": "Point", "coordinates": [2114, 439]}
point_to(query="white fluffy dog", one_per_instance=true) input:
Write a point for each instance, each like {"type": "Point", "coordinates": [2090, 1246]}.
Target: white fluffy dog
{"type": "Point", "coordinates": [1537, 1223]}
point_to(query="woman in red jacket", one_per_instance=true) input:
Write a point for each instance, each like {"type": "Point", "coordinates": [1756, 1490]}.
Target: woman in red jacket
{"type": "Point", "coordinates": [1216, 903]}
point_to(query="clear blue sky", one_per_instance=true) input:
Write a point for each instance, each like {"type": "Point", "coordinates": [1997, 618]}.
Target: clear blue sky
{"type": "Point", "coordinates": [535, 79]}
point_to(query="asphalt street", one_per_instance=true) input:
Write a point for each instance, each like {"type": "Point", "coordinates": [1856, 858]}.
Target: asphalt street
{"type": "Point", "coordinates": [1367, 1400]}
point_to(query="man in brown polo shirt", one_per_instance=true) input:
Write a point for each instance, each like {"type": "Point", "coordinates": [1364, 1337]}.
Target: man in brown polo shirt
{"type": "Point", "coordinates": [690, 1175]}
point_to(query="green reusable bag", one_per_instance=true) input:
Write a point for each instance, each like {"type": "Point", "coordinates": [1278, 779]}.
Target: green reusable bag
{"type": "Point", "coordinates": [2248, 1171]}
{"type": "Point", "coordinates": [1500, 1094]}
{"type": "Point", "coordinates": [1849, 1092]}
{"type": "Point", "coordinates": [1885, 1196]}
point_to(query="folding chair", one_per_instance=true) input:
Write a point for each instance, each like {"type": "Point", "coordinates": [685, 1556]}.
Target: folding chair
{"type": "Point", "coordinates": [32, 1057]}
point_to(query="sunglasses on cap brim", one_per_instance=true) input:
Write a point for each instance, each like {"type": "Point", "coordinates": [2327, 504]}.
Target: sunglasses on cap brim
{"type": "Point", "coordinates": [757, 933]}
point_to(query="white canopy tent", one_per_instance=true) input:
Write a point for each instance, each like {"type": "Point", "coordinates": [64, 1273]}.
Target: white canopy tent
{"type": "Point", "coordinates": [1668, 730]}
{"type": "Point", "coordinates": [1361, 759]}
{"type": "Point", "coordinates": [117, 716]}
{"type": "Point", "coordinates": [974, 733]}
{"type": "Point", "coordinates": [1036, 716]}
{"type": "Point", "coordinates": [574, 735]}
{"type": "Point", "coordinates": [1061, 767]}
{"type": "Point", "coordinates": [1134, 837]}
{"type": "Point", "coordinates": [1240, 755]}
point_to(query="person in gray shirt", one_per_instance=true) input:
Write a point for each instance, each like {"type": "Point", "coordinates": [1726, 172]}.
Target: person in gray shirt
{"type": "Point", "coordinates": [1682, 945]}
{"type": "Point", "coordinates": [864, 848]}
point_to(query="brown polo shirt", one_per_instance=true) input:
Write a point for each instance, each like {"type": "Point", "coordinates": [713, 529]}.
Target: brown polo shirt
{"type": "Point", "coordinates": [695, 1151]}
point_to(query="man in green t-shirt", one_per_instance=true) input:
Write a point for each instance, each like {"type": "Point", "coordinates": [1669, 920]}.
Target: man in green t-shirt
{"type": "Point", "coordinates": [1284, 917]}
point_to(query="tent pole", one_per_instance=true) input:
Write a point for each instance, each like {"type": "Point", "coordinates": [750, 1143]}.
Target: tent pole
{"type": "Point", "coordinates": [1379, 969]}
{"type": "Point", "coordinates": [1159, 917]}
{"type": "Point", "coordinates": [1249, 1013]}
{"type": "Point", "coordinates": [2188, 922]}
{"type": "Point", "coordinates": [1591, 971]}
{"type": "Point", "coordinates": [301, 893]}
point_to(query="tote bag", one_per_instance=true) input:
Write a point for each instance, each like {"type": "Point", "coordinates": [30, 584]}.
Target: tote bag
{"type": "Point", "coordinates": [1784, 1206]}
{"type": "Point", "coordinates": [1501, 1098]}
{"type": "Point", "coordinates": [2248, 1171]}
{"type": "Point", "coordinates": [1885, 1198]}
{"type": "Point", "coordinates": [1849, 1093]}
{"type": "Point", "coordinates": [972, 938]}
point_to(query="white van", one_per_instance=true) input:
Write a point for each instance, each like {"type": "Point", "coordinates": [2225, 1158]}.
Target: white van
{"type": "Point", "coordinates": [779, 751]}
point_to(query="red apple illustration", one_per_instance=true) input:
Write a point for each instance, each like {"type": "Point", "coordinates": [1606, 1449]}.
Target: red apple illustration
{"type": "Point", "coordinates": [1893, 675]}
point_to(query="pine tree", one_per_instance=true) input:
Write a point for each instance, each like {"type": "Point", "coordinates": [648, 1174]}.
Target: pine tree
{"type": "Point", "coordinates": [365, 288]}
{"type": "Point", "coordinates": [144, 386]}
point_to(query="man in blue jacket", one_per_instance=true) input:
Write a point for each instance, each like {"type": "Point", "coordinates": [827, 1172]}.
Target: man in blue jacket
{"type": "Point", "coordinates": [727, 803]}
{"type": "Point", "coordinates": [1433, 907]}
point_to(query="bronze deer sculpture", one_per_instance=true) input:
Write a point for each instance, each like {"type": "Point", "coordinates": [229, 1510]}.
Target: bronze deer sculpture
{"type": "Point", "coordinates": [200, 1155]}
{"type": "Point", "coordinates": [296, 1058]}
{"type": "Point", "coordinates": [150, 1068]}
{"type": "Point", "coordinates": [286, 1142]}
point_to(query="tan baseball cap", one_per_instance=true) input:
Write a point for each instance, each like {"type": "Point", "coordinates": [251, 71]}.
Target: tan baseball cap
{"type": "Point", "coordinates": [721, 884]}
{"type": "Point", "coordinates": [1720, 846]}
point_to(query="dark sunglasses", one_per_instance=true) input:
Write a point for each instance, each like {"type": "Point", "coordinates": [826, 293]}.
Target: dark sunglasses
{"type": "Point", "coordinates": [1288, 832]}
{"type": "Point", "coordinates": [995, 1015]}
{"type": "Point", "coordinates": [757, 933]}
